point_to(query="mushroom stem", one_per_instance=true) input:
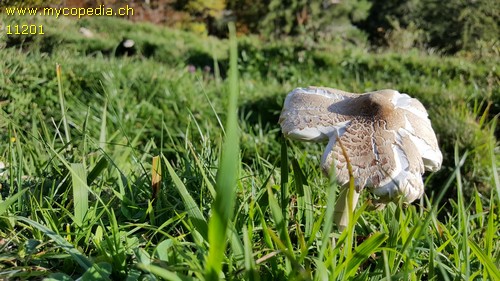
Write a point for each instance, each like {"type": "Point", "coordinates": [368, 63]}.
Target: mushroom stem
{"type": "Point", "coordinates": [341, 213]}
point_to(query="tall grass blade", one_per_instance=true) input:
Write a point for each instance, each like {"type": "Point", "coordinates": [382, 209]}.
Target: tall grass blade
{"type": "Point", "coordinates": [252, 273]}
{"type": "Point", "coordinates": [102, 134]}
{"type": "Point", "coordinates": [387, 266]}
{"type": "Point", "coordinates": [284, 177]}
{"type": "Point", "coordinates": [496, 178]}
{"type": "Point", "coordinates": [432, 252]}
{"type": "Point", "coordinates": [304, 198]}
{"type": "Point", "coordinates": [223, 205]}
{"type": "Point", "coordinates": [279, 220]}
{"type": "Point", "coordinates": [281, 226]}
{"type": "Point", "coordinates": [237, 247]}
{"type": "Point", "coordinates": [463, 219]}
{"type": "Point", "coordinates": [80, 192]}
{"type": "Point", "coordinates": [61, 102]}
{"type": "Point", "coordinates": [265, 229]}
{"type": "Point", "coordinates": [194, 213]}
{"type": "Point", "coordinates": [491, 234]}
{"type": "Point", "coordinates": [331, 198]}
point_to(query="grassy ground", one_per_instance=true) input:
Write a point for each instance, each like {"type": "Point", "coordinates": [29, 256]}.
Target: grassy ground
{"type": "Point", "coordinates": [87, 147]}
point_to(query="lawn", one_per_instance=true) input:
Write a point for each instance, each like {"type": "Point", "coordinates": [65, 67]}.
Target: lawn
{"type": "Point", "coordinates": [169, 164]}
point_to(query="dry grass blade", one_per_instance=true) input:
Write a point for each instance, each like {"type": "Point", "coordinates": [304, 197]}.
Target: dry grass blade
{"type": "Point", "coordinates": [156, 176]}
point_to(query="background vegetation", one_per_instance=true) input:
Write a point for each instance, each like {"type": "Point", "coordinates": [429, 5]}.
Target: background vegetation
{"type": "Point", "coordinates": [450, 27]}
{"type": "Point", "coordinates": [79, 144]}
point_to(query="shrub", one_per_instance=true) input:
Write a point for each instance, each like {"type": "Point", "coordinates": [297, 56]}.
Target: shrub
{"type": "Point", "coordinates": [449, 26]}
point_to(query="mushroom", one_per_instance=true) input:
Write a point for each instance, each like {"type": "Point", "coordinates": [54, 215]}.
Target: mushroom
{"type": "Point", "coordinates": [387, 138]}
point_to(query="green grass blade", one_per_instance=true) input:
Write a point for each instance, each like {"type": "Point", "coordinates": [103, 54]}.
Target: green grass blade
{"type": "Point", "coordinates": [4, 205]}
{"type": "Point", "coordinates": [479, 208]}
{"type": "Point", "coordinates": [102, 134]}
{"type": "Point", "coordinates": [265, 229]}
{"type": "Point", "coordinates": [284, 177]}
{"type": "Point", "coordinates": [61, 102]}
{"type": "Point", "coordinates": [432, 253]}
{"type": "Point", "coordinates": [223, 205]}
{"type": "Point", "coordinates": [208, 182]}
{"type": "Point", "coordinates": [491, 228]}
{"type": "Point", "coordinates": [280, 223]}
{"type": "Point", "coordinates": [387, 266]}
{"type": "Point", "coordinates": [295, 266]}
{"type": "Point", "coordinates": [194, 213]}
{"type": "Point", "coordinates": [81, 259]}
{"type": "Point", "coordinates": [492, 269]}
{"type": "Point", "coordinates": [463, 219]}
{"type": "Point", "coordinates": [279, 219]}
{"type": "Point", "coordinates": [251, 271]}
{"type": "Point", "coordinates": [80, 192]}
{"type": "Point", "coordinates": [304, 197]}
{"type": "Point", "coordinates": [99, 271]}
{"type": "Point", "coordinates": [164, 273]}
{"type": "Point", "coordinates": [98, 168]}
{"type": "Point", "coordinates": [331, 198]}
{"type": "Point", "coordinates": [237, 247]}
{"type": "Point", "coordinates": [494, 168]}
{"type": "Point", "coordinates": [362, 252]}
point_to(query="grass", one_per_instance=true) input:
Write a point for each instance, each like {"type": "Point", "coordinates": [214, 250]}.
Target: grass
{"type": "Point", "coordinates": [137, 168]}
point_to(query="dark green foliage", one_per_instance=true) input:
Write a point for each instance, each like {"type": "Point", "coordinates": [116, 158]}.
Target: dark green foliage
{"type": "Point", "coordinates": [316, 20]}
{"type": "Point", "coordinates": [449, 26]}
{"type": "Point", "coordinates": [248, 14]}
{"type": "Point", "coordinates": [459, 24]}
{"type": "Point", "coordinates": [308, 20]}
{"type": "Point", "coordinates": [381, 15]}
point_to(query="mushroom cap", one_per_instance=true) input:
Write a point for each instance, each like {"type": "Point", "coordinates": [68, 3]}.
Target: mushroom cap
{"type": "Point", "coordinates": [387, 136]}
